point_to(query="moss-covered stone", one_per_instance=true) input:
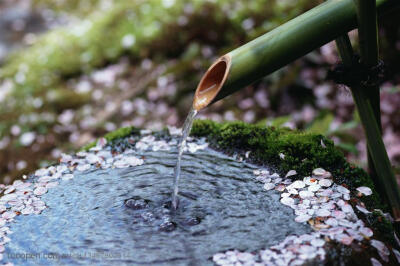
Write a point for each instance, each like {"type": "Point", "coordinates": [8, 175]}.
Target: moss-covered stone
{"type": "Point", "coordinates": [285, 150]}
{"type": "Point", "coordinates": [378, 221]}
{"type": "Point", "coordinates": [302, 152]}
{"type": "Point", "coordinates": [115, 135]}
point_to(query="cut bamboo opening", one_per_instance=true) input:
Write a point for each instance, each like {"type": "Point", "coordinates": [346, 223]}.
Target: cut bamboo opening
{"type": "Point", "coordinates": [212, 82]}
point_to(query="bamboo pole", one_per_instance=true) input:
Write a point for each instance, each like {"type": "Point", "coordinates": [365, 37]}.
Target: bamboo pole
{"type": "Point", "coordinates": [385, 180]}
{"type": "Point", "coordinates": [277, 48]}
{"type": "Point", "coordinates": [369, 56]}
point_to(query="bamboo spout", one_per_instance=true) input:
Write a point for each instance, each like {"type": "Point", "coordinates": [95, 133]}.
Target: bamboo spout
{"type": "Point", "coordinates": [211, 83]}
{"type": "Point", "coordinates": [279, 47]}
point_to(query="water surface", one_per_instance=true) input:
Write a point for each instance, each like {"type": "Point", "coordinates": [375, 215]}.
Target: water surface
{"type": "Point", "coordinates": [123, 216]}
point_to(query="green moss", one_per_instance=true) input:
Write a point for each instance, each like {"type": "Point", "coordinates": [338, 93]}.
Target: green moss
{"type": "Point", "coordinates": [115, 135]}
{"type": "Point", "coordinates": [302, 152]}
{"type": "Point", "coordinates": [382, 225]}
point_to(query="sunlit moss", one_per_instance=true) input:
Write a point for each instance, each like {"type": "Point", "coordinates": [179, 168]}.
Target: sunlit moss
{"type": "Point", "coordinates": [114, 135]}
{"type": "Point", "coordinates": [286, 150]}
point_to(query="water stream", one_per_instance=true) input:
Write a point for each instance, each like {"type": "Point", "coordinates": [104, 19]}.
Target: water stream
{"type": "Point", "coordinates": [187, 126]}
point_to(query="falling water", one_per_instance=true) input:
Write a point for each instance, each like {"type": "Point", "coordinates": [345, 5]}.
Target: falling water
{"type": "Point", "coordinates": [187, 126]}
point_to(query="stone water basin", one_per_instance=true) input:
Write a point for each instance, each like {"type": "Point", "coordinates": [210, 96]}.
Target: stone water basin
{"type": "Point", "coordinates": [111, 205]}
{"type": "Point", "coordinates": [121, 214]}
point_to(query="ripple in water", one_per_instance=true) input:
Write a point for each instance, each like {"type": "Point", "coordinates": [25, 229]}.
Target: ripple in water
{"type": "Point", "coordinates": [123, 216]}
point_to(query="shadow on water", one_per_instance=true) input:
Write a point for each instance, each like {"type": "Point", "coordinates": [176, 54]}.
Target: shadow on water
{"type": "Point", "coordinates": [123, 216]}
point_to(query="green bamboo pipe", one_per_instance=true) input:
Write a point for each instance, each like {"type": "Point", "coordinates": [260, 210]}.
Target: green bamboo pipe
{"type": "Point", "coordinates": [277, 48]}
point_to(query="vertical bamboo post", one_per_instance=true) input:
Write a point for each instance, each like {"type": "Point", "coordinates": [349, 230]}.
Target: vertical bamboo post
{"type": "Point", "coordinates": [369, 56]}
{"type": "Point", "coordinates": [385, 181]}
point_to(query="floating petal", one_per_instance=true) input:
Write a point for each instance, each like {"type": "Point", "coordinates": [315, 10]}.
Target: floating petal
{"type": "Point", "coordinates": [302, 218]}
{"type": "Point", "coordinates": [268, 186]}
{"type": "Point", "coordinates": [287, 201]}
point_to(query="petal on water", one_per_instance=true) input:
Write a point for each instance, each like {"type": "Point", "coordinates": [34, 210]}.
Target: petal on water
{"type": "Point", "coordinates": [287, 201]}
{"type": "Point", "coordinates": [302, 218]}
{"type": "Point", "coordinates": [268, 186]}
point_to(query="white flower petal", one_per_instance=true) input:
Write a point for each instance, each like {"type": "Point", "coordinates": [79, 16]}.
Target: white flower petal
{"type": "Point", "coordinates": [362, 209]}
{"type": "Point", "coordinates": [325, 182]}
{"type": "Point", "coordinates": [40, 191]}
{"type": "Point", "coordinates": [365, 190]}
{"type": "Point", "coordinates": [367, 232]}
{"type": "Point", "coordinates": [269, 186]}
{"type": "Point", "coordinates": [304, 194]}
{"type": "Point", "coordinates": [298, 184]}
{"type": "Point", "coordinates": [302, 218]}
{"type": "Point", "coordinates": [317, 242]}
{"type": "Point", "coordinates": [314, 188]}
{"type": "Point", "coordinates": [291, 173]}
{"type": "Point", "coordinates": [397, 254]}
{"type": "Point", "coordinates": [287, 201]}
{"type": "Point", "coordinates": [342, 190]}
{"type": "Point", "coordinates": [323, 213]}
